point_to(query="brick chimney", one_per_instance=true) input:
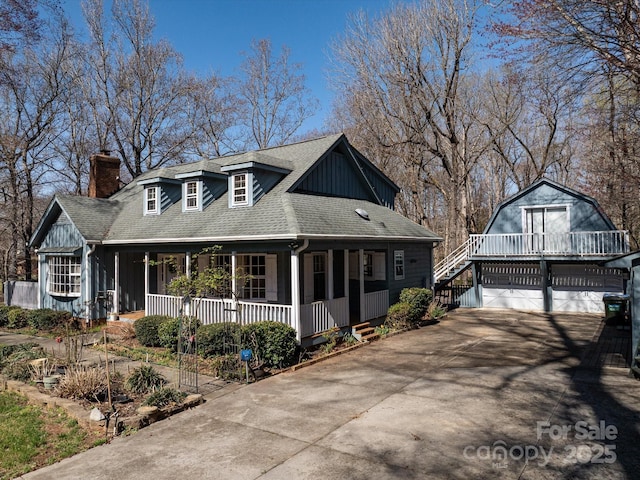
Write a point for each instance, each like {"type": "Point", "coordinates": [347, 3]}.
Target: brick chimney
{"type": "Point", "coordinates": [104, 175]}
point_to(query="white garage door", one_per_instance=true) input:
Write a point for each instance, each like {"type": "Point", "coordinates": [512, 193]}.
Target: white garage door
{"type": "Point", "coordinates": [512, 286]}
{"type": "Point", "coordinates": [579, 288]}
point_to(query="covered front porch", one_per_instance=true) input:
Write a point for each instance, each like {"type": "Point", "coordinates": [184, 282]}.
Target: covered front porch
{"type": "Point", "coordinates": [311, 289]}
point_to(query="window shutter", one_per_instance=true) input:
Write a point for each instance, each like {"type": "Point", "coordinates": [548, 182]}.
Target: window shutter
{"type": "Point", "coordinates": [308, 278]}
{"type": "Point", "coordinates": [271, 281]}
{"type": "Point", "coordinates": [379, 266]}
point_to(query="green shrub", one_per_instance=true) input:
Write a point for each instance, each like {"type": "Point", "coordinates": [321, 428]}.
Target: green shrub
{"type": "Point", "coordinates": [213, 338]}
{"type": "Point", "coordinates": [169, 330]}
{"type": "Point", "coordinates": [46, 319]}
{"type": "Point", "coordinates": [4, 314]}
{"type": "Point", "coordinates": [399, 316]}
{"type": "Point", "coordinates": [168, 333]}
{"type": "Point", "coordinates": [275, 342]}
{"type": "Point", "coordinates": [164, 397]}
{"type": "Point", "coordinates": [15, 360]}
{"type": "Point", "coordinates": [146, 329]}
{"type": "Point", "coordinates": [419, 300]}
{"type": "Point", "coordinates": [145, 379]}
{"type": "Point", "coordinates": [18, 318]}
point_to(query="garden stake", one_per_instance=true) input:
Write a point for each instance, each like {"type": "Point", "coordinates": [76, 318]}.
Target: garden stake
{"type": "Point", "coordinates": [106, 359]}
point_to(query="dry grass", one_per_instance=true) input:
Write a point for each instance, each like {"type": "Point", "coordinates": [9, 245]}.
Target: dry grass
{"type": "Point", "coordinates": [83, 384]}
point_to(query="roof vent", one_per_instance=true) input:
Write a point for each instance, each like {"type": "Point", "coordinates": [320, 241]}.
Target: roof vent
{"type": "Point", "coordinates": [362, 213]}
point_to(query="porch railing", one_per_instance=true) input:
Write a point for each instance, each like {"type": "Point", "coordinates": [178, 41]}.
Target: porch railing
{"type": "Point", "coordinates": [215, 310]}
{"type": "Point", "coordinates": [315, 317]}
{"type": "Point", "coordinates": [320, 316]}
{"type": "Point", "coordinates": [376, 304]}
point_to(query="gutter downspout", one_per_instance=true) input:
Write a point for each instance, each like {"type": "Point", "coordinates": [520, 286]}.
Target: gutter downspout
{"type": "Point", "coordinates": [88, 283]}
{"type": "Point", "coordinates": [295, 287]}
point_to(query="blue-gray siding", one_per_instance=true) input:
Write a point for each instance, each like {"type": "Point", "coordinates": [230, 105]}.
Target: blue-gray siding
{"type": "Point", "coordinates": [583, 214]}
{"type": "Point", "coordinates": [336, 176]}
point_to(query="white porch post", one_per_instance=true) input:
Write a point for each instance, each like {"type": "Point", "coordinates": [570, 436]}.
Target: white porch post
{"type": "Point", "coordinates": [346, 274]}
{"type": "Point", "coordinates": [361, 278]}
{"type": "Point", "coordinates": [186, 302]}
{"type": "Point", "coordinates": [116, 281]}
{"type": "Point", "coordinates": [234, 284]}
{"type": "Point", "coordinates": [330, 275]}
{"type": "Point", "coordinates": [146, 283]}
{"type": "Point", "coordinates": [295, 294]}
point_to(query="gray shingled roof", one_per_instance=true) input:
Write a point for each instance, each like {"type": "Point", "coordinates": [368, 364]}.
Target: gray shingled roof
{"type": "Point", "coordinates": [92, 216]}
{"type": "Point", "coordinates": [278, 214]}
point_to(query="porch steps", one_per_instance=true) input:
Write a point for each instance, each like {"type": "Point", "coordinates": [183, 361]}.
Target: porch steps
{"type": "Point", "coordinates": [364, 332]}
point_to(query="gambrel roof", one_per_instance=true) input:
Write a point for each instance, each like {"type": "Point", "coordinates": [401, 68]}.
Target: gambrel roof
{"type": "Point", "coordinates": [314, 195]}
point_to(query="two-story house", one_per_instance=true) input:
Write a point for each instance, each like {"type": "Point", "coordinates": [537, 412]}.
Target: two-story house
{"type": "Point", "coordinates": [543, 249]}
{"type": "Point", "coordinates": [311, 224]}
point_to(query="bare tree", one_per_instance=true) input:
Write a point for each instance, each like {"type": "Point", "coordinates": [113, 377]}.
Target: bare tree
{"type": "Point", "coordinates": [527, 115]}
{"type": "Point", "coordinates": [29, 104]}
{"type": "Point", "coordinates": [137, 89]}
{"type": "Point", "coordinates": [402, 76]}
{"type": "Point", "coordinates": [277, 102]}
{"type": "Point", "coordinates": [610, 148]}
{"type": "Point", "coordinates": [19, 23]}
{"type": "Point", "coordinates": [579, 35]}
{"type": "Point", "coordinates": [214, 116]}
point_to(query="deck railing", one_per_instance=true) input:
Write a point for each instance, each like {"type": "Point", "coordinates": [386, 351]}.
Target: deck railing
{"type": "Point", "coordinates": [580, 244]}
{"type": "Point", "coordinates": [610, 242]}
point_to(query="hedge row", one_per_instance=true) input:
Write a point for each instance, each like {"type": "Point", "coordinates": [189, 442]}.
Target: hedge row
{"type": "Point", "coordinates": [272, 342]}
{"type": "Point", "coordinates": [43, 319]}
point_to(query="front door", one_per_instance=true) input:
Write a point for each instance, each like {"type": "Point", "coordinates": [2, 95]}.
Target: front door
{"type": "Point", "coordinates": [169, 267]}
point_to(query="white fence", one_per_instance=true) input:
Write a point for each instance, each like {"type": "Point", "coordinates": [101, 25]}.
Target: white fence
{"type": "Point", "coordinates": [21, 294]}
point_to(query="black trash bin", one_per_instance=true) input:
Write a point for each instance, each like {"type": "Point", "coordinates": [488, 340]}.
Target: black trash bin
{"type": "Point", "coordinates": [615, 305]}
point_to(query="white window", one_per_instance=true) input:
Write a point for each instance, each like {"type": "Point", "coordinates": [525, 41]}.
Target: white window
{"type": "Point", "coordinates": [192, 195]}
{"type": "Point", "coordinates": [240, 194]}
{"type": "Point", "coordinates": [150, 200]}
{"type": "Point", "coordinates": [253, 270]}
{"type": "Point", "coordinates": [64, 276]}
{"type": "Point", "coordinates": [398, 264]}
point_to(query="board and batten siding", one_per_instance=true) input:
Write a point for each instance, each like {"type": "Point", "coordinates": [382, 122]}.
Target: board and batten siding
{"type": "Point", "coordinates": [62, 234]}
{"type": "Point", "coordinates": [336, 176]}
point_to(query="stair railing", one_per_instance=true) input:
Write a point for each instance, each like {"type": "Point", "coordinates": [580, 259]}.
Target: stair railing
{"type": "Point", "coordinates": [453, 260]}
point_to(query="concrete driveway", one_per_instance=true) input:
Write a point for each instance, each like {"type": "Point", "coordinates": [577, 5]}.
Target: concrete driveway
{"type": "Point", "coordinates": [482, 394]}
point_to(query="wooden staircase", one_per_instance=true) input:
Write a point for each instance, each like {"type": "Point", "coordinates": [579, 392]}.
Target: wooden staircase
{"type": "Point", "coordinates": [364, 332]}
{"type": "Point", "coordinates": [452, 265]}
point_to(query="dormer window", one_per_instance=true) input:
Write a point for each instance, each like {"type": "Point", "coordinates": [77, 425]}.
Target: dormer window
{"type": "Point", "coordinates": [151, 200]}
{"type": "Point", "coordinates": [192, 195]}
{"type": "Point", "coordinates": [240, 193]}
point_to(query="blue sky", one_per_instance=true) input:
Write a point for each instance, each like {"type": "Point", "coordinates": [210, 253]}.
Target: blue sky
{"type": "Point", "coordinates": [210, 34]}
